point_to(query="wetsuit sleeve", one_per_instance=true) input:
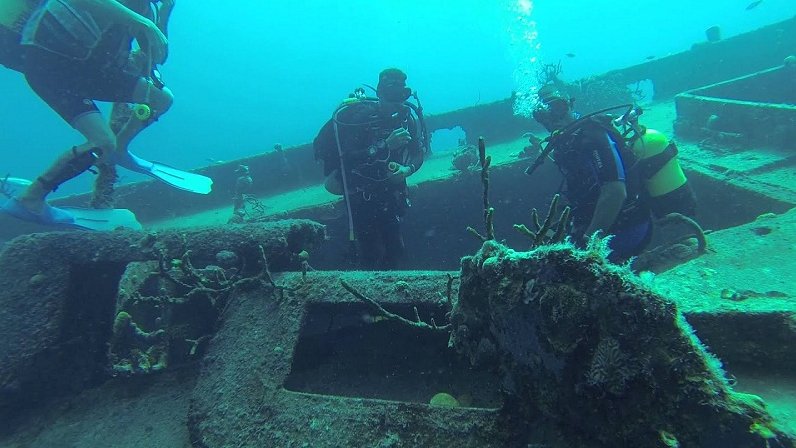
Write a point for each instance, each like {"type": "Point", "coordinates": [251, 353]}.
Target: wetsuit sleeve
{"type": "Point", "coordinates": [325, 147]}
{"type": "Point", "coordinates": [605, 157]}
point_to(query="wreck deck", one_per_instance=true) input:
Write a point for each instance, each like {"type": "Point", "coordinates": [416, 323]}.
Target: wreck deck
{"type": "Point", "coordinates": [266, 375]}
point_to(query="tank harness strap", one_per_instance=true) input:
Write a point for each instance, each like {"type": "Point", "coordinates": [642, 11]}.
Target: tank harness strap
{"type": "Point", "coordinates": [650, 166]}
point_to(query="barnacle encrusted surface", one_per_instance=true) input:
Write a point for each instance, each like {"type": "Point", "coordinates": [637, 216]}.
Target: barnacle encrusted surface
{"type": "Point", "coordinates": [588, 345]}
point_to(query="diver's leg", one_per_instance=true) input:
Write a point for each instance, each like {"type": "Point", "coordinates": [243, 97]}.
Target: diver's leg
{"type": "Point", "coordinates": [104, 186]}
{"type": "Point", "coordinates": [107, 175]}
{"type": "Point", "coordinates": [369, 247]}
{"type": "Point", "coordinates": [159, 101]}
{"type": "Point", "coordinates": [368, 239]}
{"type": "Point", "coordinates": [125, 125]}
{"type": "Point", "coordinates": [100, 141]}
{"type": "Point", "coordinates": [394, 247]}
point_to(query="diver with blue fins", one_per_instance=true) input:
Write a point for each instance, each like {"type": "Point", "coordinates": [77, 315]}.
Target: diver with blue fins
{"type": "Point", "coordinates": [73, 52]}
{"type": "Point", "coordinates": [619, 176]}
{"type": "Point", "coordinates": [369, 147]}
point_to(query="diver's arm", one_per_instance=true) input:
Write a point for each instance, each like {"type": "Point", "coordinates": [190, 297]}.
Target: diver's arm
{"type": "Point", "coordinates": [325, 147]}
{"type": "Point", "coordinates": [113, 12]}
{"type": "Point", "coordinates": [164, 14]}
{"type": "Point", "coordinates": [609, 204]}
{"type": "Point", "coordinates": [415, 155]}
{"type": "Point", "coordinates": [410, 165]}
{"type": "Point", "coordinates": [609, 167]}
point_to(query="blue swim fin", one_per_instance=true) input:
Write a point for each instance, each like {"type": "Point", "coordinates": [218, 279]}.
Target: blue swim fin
{"type": "Point", "coordinates": [68, 218]}
{"type": "Point", "coordinates": [12, 186]}
{"type": "Point", "coordinates": [104, 219]}
{"type": "Point", "coordinates": [195, 183]}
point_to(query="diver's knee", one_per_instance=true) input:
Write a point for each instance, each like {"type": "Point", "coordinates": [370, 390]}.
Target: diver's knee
{"type": "Point", "coordinates": [334, 183]}
{"type": "Point", "coordinates": [104, 144]}
{"type": "Point", "coordinates": [161, 100]}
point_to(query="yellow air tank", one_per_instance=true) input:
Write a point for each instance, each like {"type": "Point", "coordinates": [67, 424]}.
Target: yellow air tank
{"type": "Point", "coordinates": [670, 176]}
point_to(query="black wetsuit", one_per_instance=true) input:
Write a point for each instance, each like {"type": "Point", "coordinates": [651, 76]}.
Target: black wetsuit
{"type": "Point", "coordinates": [12, 54]}
{"type": "Point", "coordinates": [681, 200]}
{"type": "Point", "coordinates": [70, 86]}
{"type": "Point", "coordinates": [377, 203]}
{"type": "Point", "coordinates": [590, 157]}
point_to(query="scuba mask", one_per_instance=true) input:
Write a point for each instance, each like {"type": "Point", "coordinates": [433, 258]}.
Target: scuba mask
{"type": "Point", "coordinates": [551, 113]}
{"type": "Point", "coordinates": [394, 92]}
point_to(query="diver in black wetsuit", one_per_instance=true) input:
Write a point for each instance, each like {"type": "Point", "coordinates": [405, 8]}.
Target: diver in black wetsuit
{"type": "Point", "coordinates": [605, 196]}
{"type": "Point", "coordinates": [369, 148]}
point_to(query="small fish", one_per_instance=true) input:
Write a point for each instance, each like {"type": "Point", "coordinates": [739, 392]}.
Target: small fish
{"type": "Point", "coordinates": [572, 55]}
{"type": "Point", "coordinates": [650, 57]}
{"type": "Point", "coordinates": [754, 5]}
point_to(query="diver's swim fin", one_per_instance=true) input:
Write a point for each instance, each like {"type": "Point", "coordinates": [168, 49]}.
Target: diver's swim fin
{"type": "Point", "coordinates": [69, 218]}
{"type": "Point", "coordinates": [104, 219]}
{"type": "Point", "coordinates": [11, 186]}
{"type": "Point", "coordinates": [195, 183]}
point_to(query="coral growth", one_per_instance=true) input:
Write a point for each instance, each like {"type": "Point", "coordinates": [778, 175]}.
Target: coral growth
{"type": "Point", "coordinates": [133, 350]}
{"type": "Point", "coordinates": [465, 158]}
{"type": "Point", "coordinates": [184, 304]}
{"type": "Point", "coordinates": [586, 344]}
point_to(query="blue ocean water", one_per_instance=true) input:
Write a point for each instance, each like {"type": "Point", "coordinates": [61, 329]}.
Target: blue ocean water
{"type": "Point", "coordinates": [250, 74]}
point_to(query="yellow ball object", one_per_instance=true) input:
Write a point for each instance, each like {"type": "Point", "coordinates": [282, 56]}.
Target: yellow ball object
{"type": "Point", "coordinates": [444, 400]}
{"type": "Point", "coordinates": [667, 179]}
{"type": "Point", "coordinates": [142, 112]}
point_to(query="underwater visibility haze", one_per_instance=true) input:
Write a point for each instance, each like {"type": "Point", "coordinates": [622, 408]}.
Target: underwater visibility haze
{"type": "Point", "coordinates": [398, 223]}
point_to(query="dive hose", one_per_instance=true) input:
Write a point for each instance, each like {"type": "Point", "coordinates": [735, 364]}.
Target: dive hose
{"type": "Point", "coordinates": [549, 140]}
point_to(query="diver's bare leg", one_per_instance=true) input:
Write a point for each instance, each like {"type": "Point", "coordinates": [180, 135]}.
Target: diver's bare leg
{"type": "Point", "coordinates": [158, 100]}
{"type": "Point", "coordinates": [100, 140]}
{"type": "Point", "coordinates": [107, 176]}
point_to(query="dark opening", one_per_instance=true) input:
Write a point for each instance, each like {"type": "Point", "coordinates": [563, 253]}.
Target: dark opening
{"type": "Point", "coordinates": [92, 292]}
{"type": "Point", "coordinates": [344, 350]}
{"type": "Point", "coordinates": [79, 359]}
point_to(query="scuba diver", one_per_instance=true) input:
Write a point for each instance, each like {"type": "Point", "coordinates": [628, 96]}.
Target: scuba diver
{"type": "Point", "coordinates": [76, 52]}
{"type": "Point", "coordinates": [616, 180]}
{"type": "Point", "coordinates": [369, 147]}
{"type": "Point", "coordinates": [121, 112]}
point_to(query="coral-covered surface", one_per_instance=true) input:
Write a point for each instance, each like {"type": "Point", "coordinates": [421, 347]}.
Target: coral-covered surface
{"type": "Point", "coordinates": [58, 293]}
{"type": "Point", "coordinates": [743, 283]}
{"type": "Point", "coordinates": [240, 399]}
{"type": "Point", "coordinates": [568, 351]}
{"type": "Point", "coordinates": [586, 344]}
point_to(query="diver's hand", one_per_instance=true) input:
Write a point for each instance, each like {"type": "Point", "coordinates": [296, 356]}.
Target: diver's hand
{"type": "Point", "coordinates": [398, 138]}
{"type": "Point", "coordinates": [535, 141]}
{"type": "Point", "coordinates": [155, 42]}
{"type": "Point", "coordinates": [399, 172]}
